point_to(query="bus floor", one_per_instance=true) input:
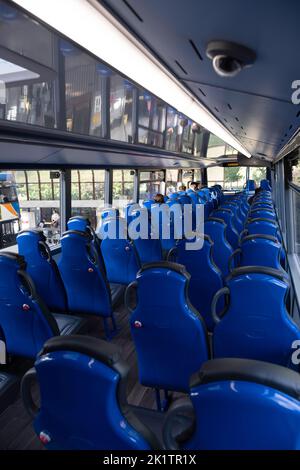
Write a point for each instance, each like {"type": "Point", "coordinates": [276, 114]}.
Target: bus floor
{"type": "Point", "coordinates": [16, 430]}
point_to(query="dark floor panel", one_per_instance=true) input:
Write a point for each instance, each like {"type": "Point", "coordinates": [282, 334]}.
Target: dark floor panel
{"type": "Point", "coordinates": [16, 430]}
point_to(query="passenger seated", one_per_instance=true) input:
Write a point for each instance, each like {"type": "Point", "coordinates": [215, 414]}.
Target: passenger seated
{"type": "Point", "coordinates": [159, 198]}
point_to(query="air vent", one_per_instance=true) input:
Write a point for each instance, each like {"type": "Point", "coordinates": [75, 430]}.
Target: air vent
{"type": "Point", "coordinates": [225, 120]}
{"type": "Point", "coordinates": [229, 106]}
{"type": "Point", "coordinates": [237, 119]}
{"type": "Point", "coordinates": [196, 50]}
{"type": "Point", "coordinates": [298, 114]}
{"type": "Point", "coordinates": [242, 127]}
{"type": "Point", "coordinates": [290, 127]}
{"type": "Point", "coordinates": [181, 68]}
{"type": "Point", "coordinates": [216, 109]}
{"type": "Point", "coordinates": [133, 11]}
{"type": "Point", "coordinates": [202, 92]}
{"type": "Point", "coordinates": [261, 154]}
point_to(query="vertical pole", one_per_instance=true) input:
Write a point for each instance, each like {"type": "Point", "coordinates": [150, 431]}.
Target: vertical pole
{"type": "Point", "coordinates": [136, 186]}
{"type": "Point", "coordinates": [108, 182]}
{"type": "Point", "coordinates": [65, 198]}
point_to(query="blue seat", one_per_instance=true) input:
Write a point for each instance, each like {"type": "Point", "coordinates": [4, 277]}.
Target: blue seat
{"type": "Point", "coordinates": [109, 212]}
{"type": "Point", "coordinates": [265, 184]}
{"type": "Point", "coordinates": [222, 250]}
{"type": "Point", "coordinates": [262, 213]}
{"type": "Point", "coordinates": [167, 224]}
{"type": "Point", "coordinates": [87, 289]}
{"type": "Point", "coordinates": [119, 253]}
{"type": "Point", "coordinates": [169, 335]}
{"type": "Point", "coordinates": [82, 384]}
{"type": "Point", "coordinates": [83, 224]}
{"type": "Point", "coordinates": [262, 205]}
{"type": "Point", "coordinates": [43, 269]}
{"type": "Point", "coordinates": [237, 404]}
{"type": "Point", "coordinates": [258, 250]}
{"type": "Point", "coordinates": [256, 324]}
{"type": "Point", "coordinates": [237, 218]}
{"type": "Point", "coordinates": [232, 234]}
{"type": "Point", "coordinates": [25, 321]}
{"type": "Point", "coordinates": [262, 226]}
{"type": "Point", "coordinates": [206, 278]}
{"type": "Point", "coordinates": [250, 186]}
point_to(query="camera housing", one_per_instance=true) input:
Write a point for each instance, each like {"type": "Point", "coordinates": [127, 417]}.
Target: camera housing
{"type": "Point", "coordinates": [229, 58]}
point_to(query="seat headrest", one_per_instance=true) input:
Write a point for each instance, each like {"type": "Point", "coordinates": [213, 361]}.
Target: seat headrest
{"type": "Point", "coordinates": [14, 257]}
{"type": "Point", "coordinates": [85, 235]}
{"type": "Point", "coordinates": [216, 219]}
{"type": "Point", "coordinates": [38, 232]}
{"type": "Point", "coordinates": [261, 219]}
{"type": "Point", "coordinates": [176, 267]}
{"type": "Point", "coordinates": [260, 236]}
{"type": "Point", "coordinates": [107, 353]}
{"type": "Point", "coordinates": [81, 217]}
{"type": "Point", "coordinates": [223, 209]}
{"type": "Point", "coordinates": [281, 275]}
{"type": "Point", "coordinates": [247, 370]}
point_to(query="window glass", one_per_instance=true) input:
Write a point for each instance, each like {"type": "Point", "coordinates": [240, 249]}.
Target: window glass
{"type": "Point", "coordinates": [29, 199]}
{"type": "Point", "coordinates": [123, 182]}
{"type": "Point", "coordinates": [257, 174]}
{"type": "Point", "coordinates": [121, 98]}
{"type": "Point", "coordinates": [216, 147]}
{"type": "Point", "coordinates": [295, 175]}
{"type": "Point", "coordinates": [187, 177]}
{"type": "Point", "coordinates": [171, 181]}
{"type": "Point", "coordinates": [151, 183]}
{"type": "Point", "coordinates": [88, 194]}
{"type": "Point", "coordinates": [151, 119]}
{"type": "Point", "coordinates": [174, 131]}
{"type": "Point", "coordinates": [230, 178]}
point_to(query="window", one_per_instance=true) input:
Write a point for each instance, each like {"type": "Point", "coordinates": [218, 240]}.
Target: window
{"type": "Point", "coordinates": [216, 147]}
{"type": "Point", "coordinates": [296, 211]}
{"type": "Point", "coordinates": [121, 104]}
{"type": "Point", "coordinates": [295, 172]}
{"type": "Point", "coordinates": [87, 187]}
{"type": "Point", "coordinates": [174, 131]}
{"type": "Point", "coordinates": [35, 204]}
{"type": "Point", "coordinates": [123, 187]}
{"type": "Point", "coordinates": [257, 174]}
{"type": "Point", "coordinates": [230, 178]}
{"type": "Point", "coordinates": [187, 177]}
{"type": "Point", "coordinates": [151, 119]}
{"type": "Point", "coordinates": [171, 181]}
{"type": "Point", "coordinates": [189, 139]}
{"type": "Point", "coordinates": [151, 183]}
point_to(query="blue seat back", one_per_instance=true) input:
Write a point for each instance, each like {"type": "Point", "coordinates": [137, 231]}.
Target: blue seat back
{"type": "Point", "coordinates": [168, 225]}
{"type": "Point", "coordinates": [262, 213]}
{"type": "Point", "coordinates": [206, 278]}
{"type": "Point", "coordinates": [119, 253]}
{"type": "Point", "coordinates": [238, 222]}
{"type": "Point", "coordinates": [82, 384]}
{"type": "Point", "coordinates": [227, 215]}
{"type": "Point", "coordinates": [260, 250]}
{"type": "Point", "coordinates": [244, 404]}
{"type": "Point", "coordinates": [262, 226]}
{"type": "Point", "coordinates": [87, 288]}
{"type": "Point", "coordinates": [169, 335]}
{"type": "Point", "coordinates": [265, 184]}
{"type": "Point", "coordinates": [256, 324]}
{"type": "Point", "coordinates": [222, 250]}
{"type": "Point", "coordinates": [82, 224]}
{"type": "Point", "coordinates": [250, 185]}
{"type": "Point", "coordinates": [25, 322]}
{"type": "Point", "coordinates": [43, 269]}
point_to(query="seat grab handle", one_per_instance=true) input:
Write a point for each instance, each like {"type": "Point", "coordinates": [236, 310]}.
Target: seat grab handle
{"type": "Point", "coordinates": [26, 384]}
{"type": "Point", "coordinates": [132, 286]}
{"type": "Point", "coordinates": [215, 300]}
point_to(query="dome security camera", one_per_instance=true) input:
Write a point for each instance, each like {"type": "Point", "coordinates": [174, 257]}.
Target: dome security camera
{"type": "Point", "coordinates": [228, 58]}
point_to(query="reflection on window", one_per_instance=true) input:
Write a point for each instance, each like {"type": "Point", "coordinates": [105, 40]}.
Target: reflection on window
{"type": "Point", "coordinates": [295, 176]}
{"type": "Point", "coordinates": [121, 97]}
{"type": "Point", "coordinates": [187, 177]}
{"type": "Point", "coordinates": [174, 131]}
{"type": "Point", "coordinates": [123, 181]}
{"type": "Point", "coordinates": [87, 187]}
{"type": "Point", "coordinates": [35, 203]}
{"type": "Point", "coordinates": [152, 119]}
{"type": "Point", "coordinates": [216, 147]}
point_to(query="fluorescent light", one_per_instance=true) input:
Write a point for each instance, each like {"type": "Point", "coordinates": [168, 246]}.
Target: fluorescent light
{"type": "Point", "coordinates": [90, 25]}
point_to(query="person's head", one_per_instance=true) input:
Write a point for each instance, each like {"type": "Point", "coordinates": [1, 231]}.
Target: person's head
{"type": "Point", "coordinates": [159, 198]}
{"type": "Point", "coordinates": [182, 188]}
{"type": "Point", "coordinates": [194, 185]}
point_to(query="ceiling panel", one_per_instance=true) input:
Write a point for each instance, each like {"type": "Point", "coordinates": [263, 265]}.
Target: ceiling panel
{"type": "Point", "coordinates": [260, 96]}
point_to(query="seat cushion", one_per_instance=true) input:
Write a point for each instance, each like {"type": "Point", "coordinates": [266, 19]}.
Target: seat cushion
{"type": "Point", "coordinates": [9, 387]}
{"type": "Point", "coordinates": [68, 324]}
{"type": "Point", "coordinates": [248, 370]}
{"type": "Point", "coordinates": [117, 293]}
